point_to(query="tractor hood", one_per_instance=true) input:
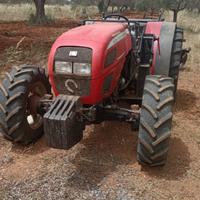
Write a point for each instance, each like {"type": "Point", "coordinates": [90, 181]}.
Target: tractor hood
{"type": "Point", "coordinates": [99, 38]}
{"type": "Point", "coordinates": [98, 34]}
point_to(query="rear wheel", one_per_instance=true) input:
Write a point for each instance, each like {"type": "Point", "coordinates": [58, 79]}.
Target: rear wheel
{"type": "Point", "coordinates": [20, 93]}
{"type": "Point", "coordinates": [176, 56]}
{"type": "Point", "coordinates": [155, 120]}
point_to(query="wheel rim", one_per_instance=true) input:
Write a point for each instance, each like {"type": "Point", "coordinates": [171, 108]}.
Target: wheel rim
{"type": "Point", "coordinates": [36, 93]}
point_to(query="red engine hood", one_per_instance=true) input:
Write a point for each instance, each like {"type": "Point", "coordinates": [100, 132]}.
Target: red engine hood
{"type": "Point", "coordinates": [92, 35]}
{"type": "Point", "coordinates": [95, 36]}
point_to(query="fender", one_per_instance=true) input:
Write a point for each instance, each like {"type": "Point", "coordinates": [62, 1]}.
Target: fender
{"type": "Point", "coordinates": [165, 32]}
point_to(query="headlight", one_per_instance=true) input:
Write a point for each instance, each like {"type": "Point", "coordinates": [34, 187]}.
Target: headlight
{"type": "Point", "coordinates": [82, 68]}
{"type": "Point", "coordinates": [63, 67]}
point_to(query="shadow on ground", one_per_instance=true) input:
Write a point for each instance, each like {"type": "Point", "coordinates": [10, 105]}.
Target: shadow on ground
{"type": "Point", "coordinates": [32, 149]}
{"type": "Point", "coordinates": [177, 164]}
{"type": "Point", "coordinates": [106, 147]}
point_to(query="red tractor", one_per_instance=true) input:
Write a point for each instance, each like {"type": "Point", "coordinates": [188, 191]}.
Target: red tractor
{"type": "Point", "coordinates": [110, 69]}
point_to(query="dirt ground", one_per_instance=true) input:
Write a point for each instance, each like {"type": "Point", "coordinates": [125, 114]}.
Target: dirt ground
{"type": "Point", "coordinates": [22, 43]}
{"type": "Point", "coordinates": [103, 165]}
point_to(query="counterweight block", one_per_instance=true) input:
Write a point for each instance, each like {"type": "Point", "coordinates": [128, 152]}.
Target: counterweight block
{"type": "Point", "coordinates": [61, 126]}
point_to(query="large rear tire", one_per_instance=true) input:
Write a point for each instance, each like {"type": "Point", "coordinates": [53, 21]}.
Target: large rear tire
{"type": "Point", "coordinates": [176, 57]}
{"type": "Point", "coordinates": [155, 120]}
{"type": "Point", "coordinates": [20, 91]}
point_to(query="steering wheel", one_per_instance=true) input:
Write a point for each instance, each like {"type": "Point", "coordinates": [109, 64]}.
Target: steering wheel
{"type": "Point", "coordinates": [119, 17]}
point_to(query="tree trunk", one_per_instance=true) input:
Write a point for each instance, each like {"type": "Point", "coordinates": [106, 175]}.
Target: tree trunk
{"type": "Point", "coordinates": [175, 15]}
{"type": "Point", "coordinates": [106, 6]}
{"type": "Point", "coordinates": [113, 9]}
{"type": "Point", "coordinates": [40, 11]}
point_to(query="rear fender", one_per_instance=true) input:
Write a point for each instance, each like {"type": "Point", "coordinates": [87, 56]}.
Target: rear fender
{"type": "Point", "coordinates": [162, 51]}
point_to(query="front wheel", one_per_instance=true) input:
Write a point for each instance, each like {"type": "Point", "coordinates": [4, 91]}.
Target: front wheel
{"type": "Point", "coordinates": [20, 93]}
{"type": "Point", "coordinates": [155, 120]}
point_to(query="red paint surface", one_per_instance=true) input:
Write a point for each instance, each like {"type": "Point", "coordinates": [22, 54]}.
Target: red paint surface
{"type": "Point", "coordinates": [154, 28]}
{"type": "Point", "coordinates": [97, 37]}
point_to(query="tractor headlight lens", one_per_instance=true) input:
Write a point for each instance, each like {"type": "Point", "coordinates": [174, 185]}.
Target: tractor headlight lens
{"type": "Point", "coordinates": [62, 67]}
{"type": "Point", "coordinates": [82, 69]}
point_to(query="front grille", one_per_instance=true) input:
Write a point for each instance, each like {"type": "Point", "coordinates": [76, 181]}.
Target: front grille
{"type": "Point", "coordinates": [72, 85]}
{"type": "Point", "coordinates": [84, 55]}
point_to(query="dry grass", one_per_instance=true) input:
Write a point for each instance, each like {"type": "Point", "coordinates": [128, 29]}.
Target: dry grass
{"type": "Point", "coordinates": [193, 41]}
{"type": "Point", "coordinates": [21, 12]}
{"type": "Point", "coordinates": [190, 21]}
{"type": "Point", "coordinates": [187, 20]}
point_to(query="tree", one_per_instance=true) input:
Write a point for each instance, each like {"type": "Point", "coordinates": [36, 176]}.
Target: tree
{"type": "Point", "coordinates": [155, 5]}
{"type": "Point", "coordinates": [100, 6]}
{"type": "Point", "coordinates": [193, 5]}
{"type": "Point", "coordinates": [103, 5]}
{"type": "Point", "coordinates": [149, 5]}
{"type": "Point", "coordinates": [106, 5]}
{"type": "Point", "coordinates": [40, 16]}
{"type": "Point", "coordinates": [176, 6]}
{"type": "Point", "coordinates": [120, 4]}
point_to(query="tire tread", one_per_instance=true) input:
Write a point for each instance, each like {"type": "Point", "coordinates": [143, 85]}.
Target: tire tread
{"type": "Point", "coordinates": [13, 90]}
{"type": "Point", "coordinates": [155, 127]}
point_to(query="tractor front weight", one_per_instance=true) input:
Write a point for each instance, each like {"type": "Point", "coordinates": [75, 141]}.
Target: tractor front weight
{"type": "Point", "coordinates": [61, 123]}
{"type": "Point", "coordinates": [65, 119]}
